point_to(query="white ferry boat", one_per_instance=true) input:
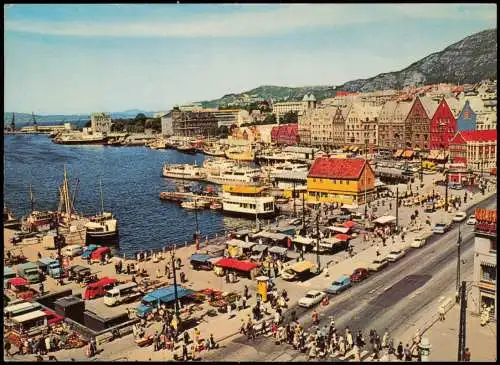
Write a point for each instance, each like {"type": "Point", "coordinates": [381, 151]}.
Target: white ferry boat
{"type": "Point", "coordinates": [286, 167]}
{"type": "Point", "coordinates": [183, 171]}
{"type": "Point", "coordinates": [249, 201]}
{"type": "Point", "coordinates": [215, 166]}
{"type": "Point", "coordinates": [239, 175]}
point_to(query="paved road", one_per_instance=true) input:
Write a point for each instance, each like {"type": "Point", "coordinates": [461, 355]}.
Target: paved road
{"type": "Point", "coordinates": [387, 300]}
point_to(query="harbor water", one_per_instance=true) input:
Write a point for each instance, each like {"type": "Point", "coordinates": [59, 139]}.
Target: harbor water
{"type": "Point", "coordinates": [131, 182]}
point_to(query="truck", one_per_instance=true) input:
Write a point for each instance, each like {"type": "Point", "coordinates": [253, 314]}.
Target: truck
{"type": "Point", "coordinates": [164, 295]}
{"type": "Point", "coordinates": [8, 273]}
{"type": "Point", "coordinates": [29, 271]}
{"type": "Point", "coordinates": [50, 267]}
{"type": "Point", "coordinates": [121, 294]}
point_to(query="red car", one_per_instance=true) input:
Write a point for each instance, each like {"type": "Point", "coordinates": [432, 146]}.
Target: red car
{"type": "Point", "coordinates": [52, 317]}
{"type": "Point", "coordinates": [359, 274]}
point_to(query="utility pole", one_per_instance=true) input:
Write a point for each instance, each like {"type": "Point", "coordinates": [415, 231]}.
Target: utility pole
{"type": "Point", "coordinates": [303, 210]}
{"type": "Point", "coordinates": [446, 192]}
{"type": "Point", "coordinates": [59, 240]}
{"type": "Point", "coordinates": [462, 326]}
{"type": "Point", "coordinates": [294, 207]}
{"type": "Point", "coordinates": [459, 244]}
{"type": "Point", "coordinates": [397, 207]}
{"type": "Point", "coordinates": [177, 313]}
{"type": "Point", "coordinates": [317, 241]}
{"type": "Point", "coordinates": [366, 170]}
{"type": "Point", "coordinates": [421, 172]}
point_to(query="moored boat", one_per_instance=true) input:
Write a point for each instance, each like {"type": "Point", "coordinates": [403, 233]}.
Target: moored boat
{"type": "Point", "coordinates": [183, 171]}
{"type": "Point", "coordinates": [187, 148]}
{"type": "Point", "coordinates": [247, 201]}
{"type": "Point", "coordinates": [102, 227]}
{"type": "Point", "coordinates": [239, 154]}
{"type": "Point", "coordinates": [238, 175]}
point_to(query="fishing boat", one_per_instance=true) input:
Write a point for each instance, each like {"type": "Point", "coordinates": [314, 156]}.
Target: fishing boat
{"type": "Point", "coordinates": [215, 151]}
{"type": "Point", "coordinates": [215, 205]}
{"type": "Point", "coordinates": [284, 168]}
{"type": "Point", "coordinates": [102, 227]}
{"type": "Point", "coordinates": [186, 148]}
{"type": "Point", "coordinates": [238, 175]}
{"type": "Point", "coordinates": [85, 137]}
{"type": "Point", "coordinates": [71, 224]}
{"type": "Point", "coordinates": [249, 201]}
{"type": "Point", "coordinates": [157, 144]}
{"type": "Point", "coordinates": [38, 221]}
{"type": "Point", "coordinates": [192, 205]}
{"type": "Point", "coordinates": [239, 154]}
{"type": "Point", "coordinates": [183, 171]}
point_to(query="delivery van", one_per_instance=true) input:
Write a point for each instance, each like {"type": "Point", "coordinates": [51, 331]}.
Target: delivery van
{"type": "Point", "coordinates": [121, 294]}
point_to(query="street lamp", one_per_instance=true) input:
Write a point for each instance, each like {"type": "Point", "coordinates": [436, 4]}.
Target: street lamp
{"type": "Point", "coordinates": [177, 311]}
{"type": "Point", "coordinates": [459, 244]}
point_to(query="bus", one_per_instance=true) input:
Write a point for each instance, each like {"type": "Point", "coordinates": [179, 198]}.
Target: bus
{"type": "Point", "coordinates": [121, 293]}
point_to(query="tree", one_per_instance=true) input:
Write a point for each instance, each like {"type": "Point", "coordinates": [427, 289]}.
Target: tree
{"type": "Point", "coordinates": [88, 124]}
{"type": "Point", "coordinates": [270, 119]}
{"type": "Point", "coordinates": [290, 117]}
{"type": "Point", "coordinates": [141, 116]}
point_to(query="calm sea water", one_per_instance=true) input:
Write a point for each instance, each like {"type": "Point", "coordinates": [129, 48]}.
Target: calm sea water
{"type": "Point", "coordinates": [132, 182]}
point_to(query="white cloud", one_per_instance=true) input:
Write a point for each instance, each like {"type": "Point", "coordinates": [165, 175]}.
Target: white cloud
{"type": "Point", "coordinates": [252, 23]}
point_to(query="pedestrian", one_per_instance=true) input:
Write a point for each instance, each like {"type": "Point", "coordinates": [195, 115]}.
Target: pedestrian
{"type": "Point", "coordinates": [6, 348]}
{"type": "Point", "coordinates": [156, 340]}
{"type": "Point", "coordinates": [466, 356]}
{"type": "Point", "coordinates": [39, 255]}
{"type": "Point", "coordinates": [400, 351]}
{"type": "Point", "coordinates": [185, 356]}
{"type": "Point", "coordinates": [377, 250]}
{"type": "Point", "coordinates": [245, 292]}
{"type": "Point", "coordinates": [315, 317]}
{"type": "Point", "coordinates": [441, 313]}
{"type": "Point", "coordinates": [229, 315]}
{"type": "Point", "coordinates": [407, 353]}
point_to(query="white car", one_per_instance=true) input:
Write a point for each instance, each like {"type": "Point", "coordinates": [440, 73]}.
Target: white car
{"type": "Point", "coordinates": [395, 255]}
{"type": "Point", "coordinates": [472, 220]}
{"type": "Point", "coordinates": [459, 217]}
{"type": "Point", "coordinates": [311, 298]}
{"type": "Point", "coordinates": [418, 242]}
{"type": "Point", "coordinates": [377, 264]}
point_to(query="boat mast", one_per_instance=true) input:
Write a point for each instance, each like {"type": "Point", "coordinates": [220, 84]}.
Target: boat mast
{"type": "Point", "coordinates": [102, 198]}
{"type": "Point", "coordinates": [32, 199]}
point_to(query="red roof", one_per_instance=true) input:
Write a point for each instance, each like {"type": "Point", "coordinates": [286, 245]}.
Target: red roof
{"type": "Point", "coordinates": [337, 168]}
{"type": "Point", "coordinates": [488, 135]}
{"type": "Point", "coordinates": [236, 264]}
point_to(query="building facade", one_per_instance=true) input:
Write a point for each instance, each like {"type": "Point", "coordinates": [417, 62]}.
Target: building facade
{"type": "Point", "coordinates": [466, 120]}
{"type": "Point", "coordinates": [100, 122]}
{"type": "Point", "coordinates": [167, 128]}
{"type": "Point", "coordinates": [476, 149]}
{"type": "Point", "coordinates": [285, 134]}
{"type": "Point", "coordinates": [417, 123]}
{"type": "Point", "coordinates": [361, 125]}
{"type": "Point", "coordinates": [194, 123]}
{"type": "Point", "coordinates": [443, 127]}
{"type": "Point", "coordinates": [341, 113]}
{"type": "Point", "coordinates": [300, 107]}
{"type": "Point", "coordinates": [344, 181]}
{"type": "Point", "coordinates": [484, 284]}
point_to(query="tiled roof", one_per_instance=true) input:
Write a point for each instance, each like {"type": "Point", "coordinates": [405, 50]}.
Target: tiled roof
{"type": "Point", "coordinates": [479, 136]}
{"type": "Point", "coordinates": [337, 168]}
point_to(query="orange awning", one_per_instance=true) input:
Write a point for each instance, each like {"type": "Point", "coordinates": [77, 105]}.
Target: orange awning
{"type": "Point", "coordinates": [398, 153]}
{"type": "Point", "coordinates": [408, 153]}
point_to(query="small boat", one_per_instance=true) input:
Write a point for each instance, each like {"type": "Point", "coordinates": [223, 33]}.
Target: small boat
{"type": "Point", "coordinates": [239, 154]}
{"type": "Point", "coordinates": [103, 226]}
{"type": "Point", "coordinates": [183, 171]}
{"type": "Point", "coordinates": [38, 221]}
{"type": "Point", "coordinates": [215, 205]}
{"type": "Point", "coordinates": [186, 148]}
{"type": "Point", "coordinates": [214, 151]}
{"type": "Point", "coordinates": [192, 205]}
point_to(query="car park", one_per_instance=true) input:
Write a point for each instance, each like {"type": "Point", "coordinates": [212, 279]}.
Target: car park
{"type": "Point", "coordinates": [311, 298]}
{"type": "Point", "coordinates": [395, 255]}
{"type": "Point", "coordinates": [472, 220]}
{"type": "Point", "coordinates": [359, 274]}
{"type": "Point", "coordinates": [459, 217]}
{"type": "Point", "coordinates": [378, 264]}
{"type": "Point", "coordinates": [342, 283]}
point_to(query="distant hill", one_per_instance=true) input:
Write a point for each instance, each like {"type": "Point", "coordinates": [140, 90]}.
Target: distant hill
{"type": "Point", "coordinates": [22, 119]}
{"type": "Point", "coordinates": [470, 60]}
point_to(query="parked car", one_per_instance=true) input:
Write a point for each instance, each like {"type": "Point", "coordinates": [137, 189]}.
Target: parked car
{"type": "Point", "coordinates": [311, 298]}
{"type": "Point", "coordinates": [341, 284]}
{"type": "Point", "coordinates": [88, 251]}
{"type": "Point", "coordinates": [441, 228]}
{"type": "Point", "coordinates": [459, 217]}
{"type": "Point", "coordinates": [378, 264]}
{"type": "Point", "coordinates": [359, 274]}
{"type": "Point", "coordinates": [472, 220]}
{"type": "Point", "coordinates": [72, 250]}
{"type": "Point", "coordinates": [455, 186]}
{"type": "Point", "coordinates": [395, 255]}
{"type": "Point", "coordinates": [52, 317]}
{"type": "Point", "coordinates": [418, 242]}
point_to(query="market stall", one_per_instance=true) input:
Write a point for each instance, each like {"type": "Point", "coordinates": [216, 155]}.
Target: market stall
{"type": "Point", "coordinates": [245, 268]}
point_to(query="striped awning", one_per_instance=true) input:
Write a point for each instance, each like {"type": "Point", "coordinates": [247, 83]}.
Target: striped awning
{"type": "Point", "coordinates": [398, 153]}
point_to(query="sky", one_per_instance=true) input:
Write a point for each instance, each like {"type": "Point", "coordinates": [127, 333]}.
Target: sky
{"type": "Point", "coordinates": [69, 59]}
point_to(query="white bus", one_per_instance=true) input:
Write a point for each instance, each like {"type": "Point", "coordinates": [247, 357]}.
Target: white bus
{"type": "Point", "coordinates": [121, 293]}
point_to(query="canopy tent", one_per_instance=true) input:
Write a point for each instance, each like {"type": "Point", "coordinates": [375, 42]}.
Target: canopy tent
{"type": "Point", "coordinates": [302, 266]}
{"type": "Point", "coordinates": [398, 153]}
{"type": "Point", "coordinates": [350, 206]}
{"type": "Point", "coordinates": [303, 240]}
{"type": "Point", "coordinates": [167, 294]}
{"type": "Point", "coordinates": [339, 229]}
{"type": "Point", "coordinates": [271, 235]}
{"type": "Point", "coordinates": [259, 248]}
{"type": "Point", "coordinates": [229, 263]}
{"type": "Point", "coordinates": [349, 224]}
{"type": "Point", "coordinates": [379, 183]}
{"type": "Point", "coordinates": [330, 242]}
{"type": "Point", "coordinates": [18, 281]}
{"type": "Point", "coordinates": [278, 250]}
{"type": "Point", "coordinates": [29, 316]}
{"type": "Point", "coordinates": [240, 243]}
{"type": "Point", "coordinates": [385, 219]}
{"type": "Point", "coordinates": [342, 237]}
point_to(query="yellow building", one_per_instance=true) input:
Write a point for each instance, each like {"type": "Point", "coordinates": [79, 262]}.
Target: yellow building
{"type": "Point", "coordinates": [337, 180]}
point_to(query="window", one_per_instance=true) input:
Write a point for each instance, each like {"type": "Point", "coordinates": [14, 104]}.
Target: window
{"type": "Point", "coordinates": [488, 273]}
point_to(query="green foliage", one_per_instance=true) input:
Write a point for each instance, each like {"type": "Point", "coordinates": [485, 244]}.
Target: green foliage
{"type": "Point", "coordinates": [140, 117]}
{"type": "Point", "coordinates": [270, 119]}
{"type": "Point", "coordinates": [88, 124]}
{"type": "Point", "coordinates": [290, 117]}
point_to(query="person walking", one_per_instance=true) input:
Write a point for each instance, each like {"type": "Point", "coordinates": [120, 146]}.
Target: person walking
{"type": "Point", "coordinates": [400, 351]}
{"type": "Point", "coordinates": [441, 313]}
{"type": "Point", "coordinates": [185, 356]}
{"type": "Point", "coordinates": [315, 317]}
{"type": "Point", "coordinates": [377, 250]}
{"type": "Point", "coordinates": [407, 353]}
{"type": "Point", "coordinates": [229, 314]}
{"type": "Point", "coordinates": [466, 356]}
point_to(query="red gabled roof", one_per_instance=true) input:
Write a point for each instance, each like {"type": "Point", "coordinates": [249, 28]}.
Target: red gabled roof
{"type": "Point", "coordinates": [337, 168]}
{"type": "Point", "coordinates": [488, 135]}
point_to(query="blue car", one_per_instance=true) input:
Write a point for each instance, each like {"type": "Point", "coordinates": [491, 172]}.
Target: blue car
{"type": "Point", "coordinates": [342, 283]}
{"type": "Point", "coordinates": [88, 251]}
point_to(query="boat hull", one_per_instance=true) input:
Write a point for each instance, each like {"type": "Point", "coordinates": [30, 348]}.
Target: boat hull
{"type": "Point", "coordinates": [102, 238]}
{"type": "Point", "coordinates": [100, 141]}
{"type": "Point", "coordinates": [249, 215]}
{"type": "Point", "coordinates": [183, 177]}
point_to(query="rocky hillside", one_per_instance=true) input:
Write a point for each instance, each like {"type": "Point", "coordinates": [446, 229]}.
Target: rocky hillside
{"type": "Point", "coordinates": [469, 61]}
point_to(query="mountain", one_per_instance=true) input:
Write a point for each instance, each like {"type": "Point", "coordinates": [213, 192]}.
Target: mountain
{"type": "Point", "coordinates": [468, 61]}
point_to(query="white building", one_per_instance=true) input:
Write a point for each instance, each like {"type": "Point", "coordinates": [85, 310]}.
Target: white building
{"type": "Point", "coordinates": [167, 128]}
{"type": "Point", "coordinates": [300, 107]}
{"type": "Point", "coordinates": [101, 122]}
{"type": "Point", "coordinates": [484, 284]}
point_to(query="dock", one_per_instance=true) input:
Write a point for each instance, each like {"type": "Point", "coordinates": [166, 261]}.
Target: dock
{"type": "Point", "coordinates": [179, 196]}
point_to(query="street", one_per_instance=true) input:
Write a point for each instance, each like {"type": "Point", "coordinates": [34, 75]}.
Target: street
{"type": "Point", "coordinates": [385, 301]}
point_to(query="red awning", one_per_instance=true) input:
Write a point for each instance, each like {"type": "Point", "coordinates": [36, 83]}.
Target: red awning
{"type": "Point", "coordinates": [101, 283]}
{"type": "Point", "coordinates": [342, 237]}
{"type": "Point", "coordinates": [229, 263]}
{"type": "Point", "coordinates": [18, 281]}
{"type": "Point", "coordinates": [349, 224]}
